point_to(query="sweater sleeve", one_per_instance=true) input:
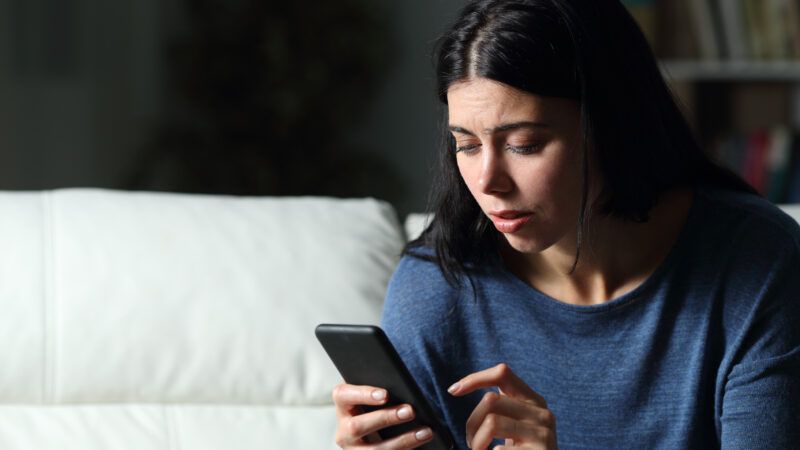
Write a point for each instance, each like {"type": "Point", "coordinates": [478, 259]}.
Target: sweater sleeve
{"type": "Point", "coordinates": [761, 395]}
{"type": "Point", "coordinates": [417, 318]}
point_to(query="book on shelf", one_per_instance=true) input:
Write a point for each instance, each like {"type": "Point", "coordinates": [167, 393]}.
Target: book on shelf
{"type": "Point", "coordinates": [734, 29]}
{"type": "Point", "coordinates": [793, 27]}
{"type": "Point", "coordinates": [705, 29]}
{"type": "Point", "coordinates": [769, 160]}
{"type": "Point", "coordinates": [738, 30]}
{"type": "Point", "coordinates": [757, 144]}
{"type": "Point", "coordinates": [756, 28]}
{"type": "Point", "coordinates": [777, 29]}
{"type": "Point", "coordinates": [777, 162]}
{"type": "Point", "coordinates": [771, 28]}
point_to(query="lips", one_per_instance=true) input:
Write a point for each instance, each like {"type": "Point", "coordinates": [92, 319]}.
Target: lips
{"type": "Point", "coordinates": [509, 221]}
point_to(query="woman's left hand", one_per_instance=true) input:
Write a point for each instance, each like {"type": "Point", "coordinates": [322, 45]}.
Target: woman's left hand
{"type": "Point", "coordinates": [518, 414]}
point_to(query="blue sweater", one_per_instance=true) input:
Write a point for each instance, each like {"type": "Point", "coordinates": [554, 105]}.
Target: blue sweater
{"type": "Point", "coordinates": [704, 354]}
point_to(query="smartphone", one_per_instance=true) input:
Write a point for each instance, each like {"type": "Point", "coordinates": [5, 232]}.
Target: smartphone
{"type": "Point", "coordinates": [365, 356]}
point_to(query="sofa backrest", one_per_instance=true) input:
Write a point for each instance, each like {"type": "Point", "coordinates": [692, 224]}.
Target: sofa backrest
{"type": "Point", "coordinates": [165, 321]}
{"type": "Point", "coordinates": [792, 210]}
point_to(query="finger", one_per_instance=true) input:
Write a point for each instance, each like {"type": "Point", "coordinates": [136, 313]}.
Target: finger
{"type": "Point", "coordinates": [508, 407]}
{"type": "Point", "coordinates": [412, 439]}
{"type": "Point", "coordinates": [345, 396]}
{"type": "Point", "coordinates": [367, 443]}
{"type": "Point", "coordinates": [485, 406]}
{"type": "Point", "coordinates": [501, 376]}
{"type": "Point", "coordinates": [495, 426]}
{"type": "Point", "coordinates": [522, 447]}
{"type": "Point", "coordinates": [546, 440]}
{"type": "Point", "coordinates": [354, 429]}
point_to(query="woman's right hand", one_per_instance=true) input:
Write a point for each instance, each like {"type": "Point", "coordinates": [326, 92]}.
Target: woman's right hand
{"type": "Point", "coordinates": [358, 431]}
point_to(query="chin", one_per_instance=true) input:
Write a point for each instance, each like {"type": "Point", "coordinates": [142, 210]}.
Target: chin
{"type": "Point", "coordinates": [526, 244]}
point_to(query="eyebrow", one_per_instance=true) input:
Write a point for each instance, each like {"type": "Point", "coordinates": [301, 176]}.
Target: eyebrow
{"type": "Point", "coordinates": [500, 128]}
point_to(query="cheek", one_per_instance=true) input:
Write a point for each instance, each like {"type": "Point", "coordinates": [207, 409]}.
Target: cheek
{"type": "Point", "coordinates": [470, 173]}
{"type": "Point", "coordinates": [554, 185]}
{"type": "Point", "coordinates": [540, 179]}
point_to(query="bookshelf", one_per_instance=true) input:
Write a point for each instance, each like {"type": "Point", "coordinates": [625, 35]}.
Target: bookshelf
{"type": "Point", "coordinates": [691, 70]}
{"type": "Point", "coordinates": [735, 67]}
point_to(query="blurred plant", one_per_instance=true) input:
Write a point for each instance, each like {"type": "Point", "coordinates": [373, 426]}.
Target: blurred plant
{"type": "Point", "coordinates": [265, 92]}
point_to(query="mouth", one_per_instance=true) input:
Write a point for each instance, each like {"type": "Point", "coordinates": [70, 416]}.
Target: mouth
{"type": "Point", "coordinates": [509, 221]}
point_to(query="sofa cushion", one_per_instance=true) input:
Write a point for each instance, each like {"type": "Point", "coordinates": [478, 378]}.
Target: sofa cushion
{"type": "Point", "coordinates": [113, 298]}
{"type": "Point", "coordinates": [792, 210]}
{"type": "Point", "coordinates": [415, 224]}
{"type": "Point", "coordinates": [166, 427]}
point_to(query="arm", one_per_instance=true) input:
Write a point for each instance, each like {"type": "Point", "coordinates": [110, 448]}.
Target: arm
{"type": "Point", "coordinates": [417, 319]}
{"type": "Point", "coordinates": [761, 394]}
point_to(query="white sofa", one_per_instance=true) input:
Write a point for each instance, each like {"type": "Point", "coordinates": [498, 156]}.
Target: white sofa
{"type": "Point", "coordinates": [181, 322]}
{"type": "Point", "coordinates": [162, 321]}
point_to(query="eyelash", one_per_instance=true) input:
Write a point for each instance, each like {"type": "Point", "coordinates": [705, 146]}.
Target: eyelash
{"type": "Point", "coordinates": [519, 150]}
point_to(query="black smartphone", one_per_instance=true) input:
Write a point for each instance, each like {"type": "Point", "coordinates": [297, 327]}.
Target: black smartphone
{"type": "Point", "coordinates": [364, 356]}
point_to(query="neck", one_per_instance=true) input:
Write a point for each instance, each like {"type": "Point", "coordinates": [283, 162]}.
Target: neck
{"type": "Point", "coordinates": [615, 258]}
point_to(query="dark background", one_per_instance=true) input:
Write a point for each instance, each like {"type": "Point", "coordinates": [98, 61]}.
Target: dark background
{"type": "Point", "coordinates": [268, 97]}
{"type": "Point", "coordinates": [246, 97]}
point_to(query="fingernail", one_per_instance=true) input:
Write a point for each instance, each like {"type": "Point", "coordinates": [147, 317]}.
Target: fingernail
{"type": "Point", "coordinates": [404, 412]}
{"type": "Point", "coordinates": [379, 394]}
{"type": "Point", "coordinates": [423, 434]}
{"type": "Point", "coordinates": [452, 389]}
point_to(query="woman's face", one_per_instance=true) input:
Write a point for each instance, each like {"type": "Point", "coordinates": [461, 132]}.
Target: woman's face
{"type": "Point", "coordinates": [520, 156]}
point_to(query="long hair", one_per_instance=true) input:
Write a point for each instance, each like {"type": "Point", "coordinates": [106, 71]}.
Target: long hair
{"type": "Point", "coordinates": [591, 51]}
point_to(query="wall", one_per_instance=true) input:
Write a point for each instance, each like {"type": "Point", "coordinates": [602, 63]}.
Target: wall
{"type": "Point", "coordinates": [81, 84]}
{"type": "Point", "coordinates": [79, 88]}
{"type": "Point", "coordinates": [405, 119]}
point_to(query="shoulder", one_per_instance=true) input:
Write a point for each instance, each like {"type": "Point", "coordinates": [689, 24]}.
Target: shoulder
{"type": "Point", "coordinates": [742, 254]}
{"type": "Point", "coordinates": [750, 222]}
{"type": "Point", "coordinates": [753, 250]}
{"type": "Point", "coordinates": [749, 246]}
{"type": "Point", "coordinates": [418, 292]}
{"type": "Point", "coordinates": [746, 239]}
{"type": "Point", "coordinates": [418, 317]}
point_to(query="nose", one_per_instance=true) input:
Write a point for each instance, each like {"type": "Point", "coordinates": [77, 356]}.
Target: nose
{"type": "Point", "coordinates": [494, 177]}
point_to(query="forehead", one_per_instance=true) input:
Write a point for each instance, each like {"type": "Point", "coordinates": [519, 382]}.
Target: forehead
{"type": "Point", "coordinates": [481, 104]}
{"type": "Point", "coordinates": [481, 100]}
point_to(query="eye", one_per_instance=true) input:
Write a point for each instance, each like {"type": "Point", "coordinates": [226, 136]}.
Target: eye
{"type": "Point", "coordinates": [523, 149]}
{"type": "Point", "coordinates": [467, 149]}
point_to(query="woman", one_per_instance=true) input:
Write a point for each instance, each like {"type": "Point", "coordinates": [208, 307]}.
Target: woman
{"type": "Point", "coordinates": [590, 279]}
